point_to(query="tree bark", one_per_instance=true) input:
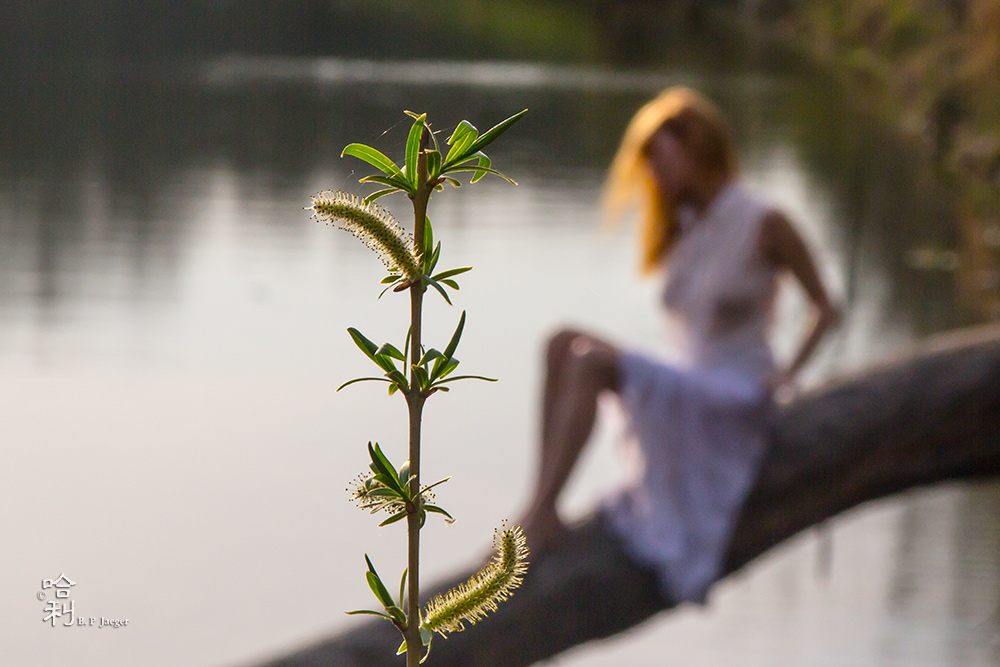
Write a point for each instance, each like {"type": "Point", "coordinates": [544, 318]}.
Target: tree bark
{"type": "Point", "coordinates": [929, 417]}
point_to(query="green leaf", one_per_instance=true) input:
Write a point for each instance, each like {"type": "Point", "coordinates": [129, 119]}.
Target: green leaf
{"type": "Point", "coordinates": [365, 345]}
{"type": "Point", "coordinates": [380, 460]}
{"type": "Point", "coordinates": [390, 350]}
{"type": "Point", "coordinates": [434, 138]}
{"type": "Point", "coordinates": [494, 132]}
{"type": "Point", "coordinates": [368, 611]}
{"type": "Point", "coordinates": [393, 388]}
{"type": "Point", "coordinates": [350, 382]}
{"type": "Point", "coordinates": [460, 133]}
{"type": "Point", "coordinates": [434, 257]}
{"type": "Point", "coordinates": [386, 481]}
{"type": "Point", "coordinates": [433, 283]}
{"type": "Point", "coordinates": [398, 182]}
{"type": "Point", "coordinates": [438, 510]}
{"type": "Point", "coordinates": [428, 241]}
{"type": "Point", "coordinates": [397, 615]}
{"type": "Point", "coordinates": [429, 356]}
{"type": "Point", "coordinates": [481, 169]}
{"type": "Point", "coordinates": [460, 141]}
{"type": "Point", "coordinates": [399, 379]}
{"type": "Point", "coordinates": [450, 272]}
{"type": "Point", "coordinates": [391, 278]}
{"type": "Point", "coordinates": [384, 362]}
{"type": "Point", "coordinates": [379, 193]}
{"type": "Point", "coordinates": [450, 283]}
{"type": "Point", "coordinates": [468, 377]}
{"type": "Point", "coordinates": [448, 367]}
{"type": "Point", "coordinates": [433, 164]}
{"type": "Point", "coordinates": [449, 351]}
{"type": "Point", "coordinates": [464, 161]}
{"type": "Point", "coordinates": [420, 376]}
{"type": "Point", "coordinates": [373, 157]}
{"type": "Point", "coordinates": [383, 469]}
{"type": "Point", "coordinates": [383, 493]}
{"type": "Point", "coordinates": [394, 518]}
{"type": "Point", "coordinates": [413, 149]}
{"type": "Point", "coordinates": [402, 648]}
{"type": "Point", "coordinates": [404, 475]}
{"type": "Point", "coordinates": [437, 483]}
{"type": "Point", "coordinates": [434, 508]}
{"type": "Point", "coordinates": [402, 585]}
{"type": "Point", "coordinates": [484, 164]}
{"type": "Point", "coordinates": [378, 589]}
{"type": "Point", "coordinates": [436, 368]}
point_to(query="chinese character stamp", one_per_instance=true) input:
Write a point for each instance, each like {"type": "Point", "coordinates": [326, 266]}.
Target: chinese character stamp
{"type": "Point", "coordinates": [61, 588]}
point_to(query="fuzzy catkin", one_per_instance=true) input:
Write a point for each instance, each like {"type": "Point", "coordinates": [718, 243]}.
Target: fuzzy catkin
{"type": "Point", "coordinates": [373, 225]}
{"type": "Point", "coordinates": [472, 600]}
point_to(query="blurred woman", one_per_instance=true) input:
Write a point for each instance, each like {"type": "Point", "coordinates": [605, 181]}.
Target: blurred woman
{"type": "Point", "coordinates": [698, 428]}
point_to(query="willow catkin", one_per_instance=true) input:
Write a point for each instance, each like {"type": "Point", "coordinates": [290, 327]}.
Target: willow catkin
{"type": "Point", "coordinates": [478, 596]}
{"type": "Point", "coordinates": [374, 225]}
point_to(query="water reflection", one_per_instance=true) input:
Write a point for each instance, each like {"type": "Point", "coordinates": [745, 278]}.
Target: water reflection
{"type": "Point", "coordinates": [168, 309]}
{"type": "Point", "coordinates": [277, 123]}
{"type": "Point", "coordinates": [945, 577]}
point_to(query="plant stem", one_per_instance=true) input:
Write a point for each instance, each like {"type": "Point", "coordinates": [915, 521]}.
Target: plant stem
{"type": "Point", "coordinates": [415, 404]}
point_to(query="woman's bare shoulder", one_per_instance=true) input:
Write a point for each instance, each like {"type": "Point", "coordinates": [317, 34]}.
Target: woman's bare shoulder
{"type": "Point", "coordinates": [785, 248]}
{"type": "Point", "coordinates": [779, 241]}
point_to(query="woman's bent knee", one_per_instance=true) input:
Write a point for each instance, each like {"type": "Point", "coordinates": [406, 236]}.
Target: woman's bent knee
{"type": "Point", "coordinates": [559, 344]}
{"type": "Point", "coordinates": [594, 361]}
{"type": "Point", "coordinates": [591, 358]}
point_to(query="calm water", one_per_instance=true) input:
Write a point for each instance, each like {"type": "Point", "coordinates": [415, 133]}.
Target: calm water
{"type": "Point", "coordinates": [172, 332]}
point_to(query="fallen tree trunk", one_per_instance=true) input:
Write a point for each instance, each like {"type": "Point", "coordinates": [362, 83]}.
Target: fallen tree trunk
{"type": "Point", "coordinates": [926, 418]}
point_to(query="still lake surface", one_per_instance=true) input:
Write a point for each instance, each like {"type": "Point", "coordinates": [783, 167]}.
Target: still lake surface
{"type": "Point", "coordinates": [172, 329]}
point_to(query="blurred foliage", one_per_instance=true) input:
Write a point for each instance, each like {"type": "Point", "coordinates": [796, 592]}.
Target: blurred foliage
{"type": "Point", "coordinates": [932, 65]}
{"type": "Point", "coordinates": [550, 29]}
{"type": "Point", "coordinates": [46, 32]}
{"type": "Point", "coordinates": [932, 68]}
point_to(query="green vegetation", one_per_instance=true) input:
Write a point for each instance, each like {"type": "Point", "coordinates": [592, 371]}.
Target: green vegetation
{"type": "Point", "coordinates": [522, 29]}
{"type": "Point", "coordinates": [417, 372]}
{"type": "Point", "coordinates": [932, 67]}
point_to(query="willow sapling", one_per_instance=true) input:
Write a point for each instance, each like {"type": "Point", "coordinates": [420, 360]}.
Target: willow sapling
{"type": "Point", "coordinates": [417, 372]}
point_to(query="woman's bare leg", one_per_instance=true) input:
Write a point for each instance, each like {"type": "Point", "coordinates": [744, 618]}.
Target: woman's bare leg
{"type": "Point", "coordinates": [556, 358]}
{"type": "Point", "coordinates": [578, 368]}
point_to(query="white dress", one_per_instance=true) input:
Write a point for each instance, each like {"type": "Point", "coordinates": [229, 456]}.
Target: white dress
{"type": "Point", "coordinates": [698, 429]}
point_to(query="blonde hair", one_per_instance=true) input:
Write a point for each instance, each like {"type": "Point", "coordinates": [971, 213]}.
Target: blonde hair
{"type": "Point", "coordinates": [700, 128]}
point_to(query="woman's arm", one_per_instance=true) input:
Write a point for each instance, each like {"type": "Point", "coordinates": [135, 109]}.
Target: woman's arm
{"type": "Point", "coordinates": [784, 247]}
